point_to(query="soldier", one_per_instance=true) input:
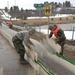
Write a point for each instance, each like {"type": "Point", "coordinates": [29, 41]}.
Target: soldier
{"type": "Point", "coordinates": [59, 34]}
{"type": "Point", "coordinates": [10, 24]}
{"type": "Point", "coordinates": [18, 39]}
{"type": "Point", "coordinates": [26, 27]}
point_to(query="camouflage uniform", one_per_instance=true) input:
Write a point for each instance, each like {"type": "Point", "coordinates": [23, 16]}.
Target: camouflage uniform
{"type": "Point", "coordinates": [60, 40]}
{"type": "Point", "coordinates": [18, 46]}
{"type": "Point", "coordinates": [18, 39]}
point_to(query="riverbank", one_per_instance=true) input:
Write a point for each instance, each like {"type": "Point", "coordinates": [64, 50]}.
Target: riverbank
{"type": "Point", "coordinates": [44, 21]}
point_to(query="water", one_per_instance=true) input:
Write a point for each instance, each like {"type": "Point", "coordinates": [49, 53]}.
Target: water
{"type": "Point", "coordinates": [68, 30]}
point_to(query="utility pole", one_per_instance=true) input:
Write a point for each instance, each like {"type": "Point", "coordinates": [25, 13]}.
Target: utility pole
{"type": "Point", "coordinates": [48, 12]}
{"type": "Point", "coordinates": [73, 33]}
{"type": "Point", "coordinates": [15, 2]}
{"type": "Point", "coordinates": [8, 4]}
{"type": "Point", "coordinates": [8, 7]}
{"type": "Point", "coordinates": [39, 19]}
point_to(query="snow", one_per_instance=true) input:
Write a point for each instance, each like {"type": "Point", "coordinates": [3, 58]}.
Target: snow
{"type": "Point", "coordinates": [69, 34]}
{"type": "Point", "coordinates": [7, 16]}
{"type": "Point", "coordinates": [56, 16]}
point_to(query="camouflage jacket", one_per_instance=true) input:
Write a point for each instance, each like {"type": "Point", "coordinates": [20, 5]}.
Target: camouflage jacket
{"type": "Point", "coordinates": [24, 37]}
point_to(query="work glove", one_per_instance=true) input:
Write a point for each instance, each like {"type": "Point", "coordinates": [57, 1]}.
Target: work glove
{"type": "Point", "coordinates": [33, 45]}
{"type": "Point", "coordinates": [49, 37]}
{"type": "Point", "coordinates": [30, 47]}
{"type": "Point", "coordinates": [56, 41]}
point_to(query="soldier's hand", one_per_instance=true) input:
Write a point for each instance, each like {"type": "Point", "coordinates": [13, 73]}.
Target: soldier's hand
{"type": "Point", "coordinates": [33, 45]}
{"type": "Point", "coordinates": [30, 47]}
{"type": "Point", "coordinates": [56, 42]}
{"type": "Point", "coordinates": [49, 37]}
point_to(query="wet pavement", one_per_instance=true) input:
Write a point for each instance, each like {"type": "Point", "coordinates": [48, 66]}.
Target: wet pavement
{"type": "Point", "coordinates": [9, 60]}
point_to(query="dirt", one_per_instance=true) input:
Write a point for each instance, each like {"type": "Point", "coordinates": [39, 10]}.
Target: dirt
{"type": "Point", "coordinates": [69, 49]}
{"type": "Point", "coordinates": [38, 36]}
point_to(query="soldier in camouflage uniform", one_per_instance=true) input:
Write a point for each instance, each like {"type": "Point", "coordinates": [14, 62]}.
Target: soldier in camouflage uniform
{"type": "Point", "coordinates": [59, 34]}
{"type": "Point", "coordinates": [18, 39]}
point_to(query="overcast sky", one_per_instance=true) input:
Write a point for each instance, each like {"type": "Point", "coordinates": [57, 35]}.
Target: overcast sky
{"type": "Point", "coordinates": [28, 4]}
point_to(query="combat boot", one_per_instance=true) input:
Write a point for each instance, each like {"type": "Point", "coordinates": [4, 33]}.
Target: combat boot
{"type": "Point", "coordinates": [22, 60]}
{"type": "Point", "coordinates": [61, 53]}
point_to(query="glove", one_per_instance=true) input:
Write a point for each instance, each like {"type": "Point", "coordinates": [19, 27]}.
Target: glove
{"type": "Point", "coordinates": [30, 47]}
{"type": "Point", "coordinates": [56, 42]}
{"type": "Point", "coordinates": [49, 37]}
{"type": "Point", "coordinates": [33, 45]}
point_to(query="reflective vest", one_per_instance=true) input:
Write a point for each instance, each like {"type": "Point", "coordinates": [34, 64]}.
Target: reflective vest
{"type": "Point", "coordinates": [55, 31]}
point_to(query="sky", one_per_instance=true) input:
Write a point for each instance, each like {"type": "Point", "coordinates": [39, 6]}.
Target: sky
{"type": "Point", "coordinates": [28, 4]}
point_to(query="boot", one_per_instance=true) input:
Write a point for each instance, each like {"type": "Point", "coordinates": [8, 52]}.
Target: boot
{"type": "Point", "coordinates": [61, 53]}
{"type": "Point", "coordinates": [22, 60]}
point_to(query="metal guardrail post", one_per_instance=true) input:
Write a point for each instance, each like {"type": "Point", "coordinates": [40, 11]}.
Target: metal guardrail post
{"type": "Point", "coordinates": [73, 33]}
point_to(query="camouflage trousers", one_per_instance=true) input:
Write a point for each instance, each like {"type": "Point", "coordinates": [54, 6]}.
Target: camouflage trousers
{"type": "Point", "coordinates": [61, 43]}
{"type": "Point", "coordinates": [18, 46]}
{"type": "Point", "coordinates": [10, 26]}
{"type": "Point", "coordinates": [62, 46]}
